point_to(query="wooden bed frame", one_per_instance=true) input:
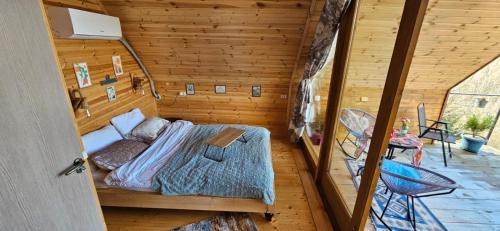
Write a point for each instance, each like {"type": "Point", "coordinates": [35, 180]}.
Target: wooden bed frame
{"type": "Point", "coordinates": [128, 198]}
{"type": "Point", "coordinates": [116, 197]}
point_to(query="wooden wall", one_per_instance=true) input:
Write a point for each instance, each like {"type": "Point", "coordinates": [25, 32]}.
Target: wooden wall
{"type": "Point", "coordinates": [238, 43]}
{"type": "Point", "coordinates": [97, 54]}
{"type": "Point", "coordinates": [242, 43]}
{"type": "Point", "coordinates": [457, 38]}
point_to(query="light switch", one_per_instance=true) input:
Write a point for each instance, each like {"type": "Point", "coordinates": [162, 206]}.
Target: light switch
{"type": "Point", "coordinates": [364, 99]}
{"type": "Point", "coordinates": [283, 96]}
{"type": "Point", "coordinates": [85, 155]}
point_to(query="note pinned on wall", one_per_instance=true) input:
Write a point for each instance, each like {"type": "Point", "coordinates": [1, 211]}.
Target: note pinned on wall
{"type": "Point", "coordinates": [117, 65]}
{"type": "Point", "coordinates": [82, 75]}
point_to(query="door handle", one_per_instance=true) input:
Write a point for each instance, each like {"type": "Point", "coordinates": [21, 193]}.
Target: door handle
{"type": "Point", "coordinates": [78, 167]}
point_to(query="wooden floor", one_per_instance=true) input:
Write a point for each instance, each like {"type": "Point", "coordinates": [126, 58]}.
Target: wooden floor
{"type": "Point", "coordinates": [293, 206]}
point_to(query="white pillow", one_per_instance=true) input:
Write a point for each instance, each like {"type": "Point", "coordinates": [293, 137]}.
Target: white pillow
{"type": "Point", "coordinates": [149, 130]}
{"type": "Point", "coordinates": [99, 139]}
{"type": "Point", "coordinates": [124, 123]}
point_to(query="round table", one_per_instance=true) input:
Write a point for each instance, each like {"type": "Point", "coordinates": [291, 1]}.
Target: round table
{"type": "Point", "coordinates": [408, 141]}
{"type": "Point", "coordinates": [392, 146]}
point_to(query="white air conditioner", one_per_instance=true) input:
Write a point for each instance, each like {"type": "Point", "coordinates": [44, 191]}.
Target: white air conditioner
{"type": "Point", "coordinates": [78, 24]}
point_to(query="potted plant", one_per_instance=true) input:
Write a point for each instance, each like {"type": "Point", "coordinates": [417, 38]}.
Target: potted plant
{"type": "Point", "coordinates": [405, 126]}
{"type": "Point", "coordinates": [475, 124]}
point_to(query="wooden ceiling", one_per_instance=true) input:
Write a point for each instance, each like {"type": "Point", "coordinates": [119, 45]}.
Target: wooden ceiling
{"type": "Point", "coordinates": [457, 38]}
{"type": "Point", "coordinates": [234, 42]}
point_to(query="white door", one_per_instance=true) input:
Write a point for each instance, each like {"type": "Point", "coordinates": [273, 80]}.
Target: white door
{"type": "Point", "coordinates": [38, 138]}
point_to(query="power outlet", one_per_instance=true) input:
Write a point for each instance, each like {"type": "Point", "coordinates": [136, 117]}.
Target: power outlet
{"type": "Point", "coordinates": [283, 96]}
{"type": "Point", "coordinates": [364, 99]}
{"type": "Point", "coordinates": [182, 93]}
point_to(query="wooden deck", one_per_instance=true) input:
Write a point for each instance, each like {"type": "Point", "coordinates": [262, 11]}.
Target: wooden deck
{"type": "Point", "coordinates": [297, 207]}
{"type": "Point", "coordinates": [476, 204]}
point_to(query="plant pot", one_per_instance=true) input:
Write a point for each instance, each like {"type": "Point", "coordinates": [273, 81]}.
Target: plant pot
{"type": "Point", "coordinates": [472, 144]}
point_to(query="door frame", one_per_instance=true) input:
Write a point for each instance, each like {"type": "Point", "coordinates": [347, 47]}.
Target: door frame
{"type": "Point", "coordinates": [334, 203]}
{"type": "Point", "coordinates": [406, 40]}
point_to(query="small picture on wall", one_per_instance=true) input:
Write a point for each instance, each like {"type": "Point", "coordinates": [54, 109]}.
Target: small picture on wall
{"type": "Point", "coordinates": [256, 91]}
{"type": "Point", "coordinates": [190, 88]}
{"type": "Point", "coordinates": [220, 89]}
{"type": "Point", "coordinates": [82, 75]}
{"type": "Point", "coordinates": [117, 65]}
{"type": "Point", "coordinates": [111, 93]}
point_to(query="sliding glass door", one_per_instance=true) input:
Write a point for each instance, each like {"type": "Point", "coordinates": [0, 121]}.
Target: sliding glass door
{"type": "Point", "coordinates": [372, 58]}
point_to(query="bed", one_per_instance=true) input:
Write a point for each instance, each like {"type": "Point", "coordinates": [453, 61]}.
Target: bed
{"type": "Point", "coordinates": [173, 173]}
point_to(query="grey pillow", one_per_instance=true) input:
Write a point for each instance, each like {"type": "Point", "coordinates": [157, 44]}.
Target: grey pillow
{"type": "Point", "coordinates": [149, 130]}
{"type": "Point", "coordinates": [118, 153]}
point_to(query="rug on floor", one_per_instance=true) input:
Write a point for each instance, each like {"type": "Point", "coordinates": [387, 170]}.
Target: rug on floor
{"type": "Point", "coordinates": [395, 216]}
{"type": "Point", "coordinates": [224, 222]}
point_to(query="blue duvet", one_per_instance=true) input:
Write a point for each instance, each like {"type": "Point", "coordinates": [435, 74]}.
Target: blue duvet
{"type": "Point", "coordinates": [245, 172]}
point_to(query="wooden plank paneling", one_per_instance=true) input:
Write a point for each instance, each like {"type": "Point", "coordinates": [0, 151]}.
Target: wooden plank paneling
{"type": "Point", "coordinates": [237, 43]}
{"type": "Point", "coordinates": [457, 38]}
{"type": "Point", "coordinates": [241, 43]}
{"type": "Point", "coordinates": [97, 54]}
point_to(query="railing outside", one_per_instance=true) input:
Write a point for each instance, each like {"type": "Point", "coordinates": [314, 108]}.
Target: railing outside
{"type": "Point", "coordinates": [462, 105]}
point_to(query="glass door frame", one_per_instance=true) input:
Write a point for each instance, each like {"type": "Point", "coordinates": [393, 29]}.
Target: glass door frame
{"type": "Point", "coordinates": [406, 40]}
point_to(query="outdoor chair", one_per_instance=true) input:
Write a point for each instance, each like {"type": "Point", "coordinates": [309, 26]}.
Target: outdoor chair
{"type": "Point", "coordinates": [412, 182]}
{"type": "Point", "coordinates": [434, 132]}
{"type": "Point", "coordinates": [355, 121]}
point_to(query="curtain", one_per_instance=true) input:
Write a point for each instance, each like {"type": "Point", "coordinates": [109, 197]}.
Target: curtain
{"type": "Point", "coordinates": [319, 52]}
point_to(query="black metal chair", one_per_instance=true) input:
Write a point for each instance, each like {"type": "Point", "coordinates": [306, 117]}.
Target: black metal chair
{"type": "Point", "coordinates": [434, 132]}
{"type": "Point", "coordinates": [413, 182]}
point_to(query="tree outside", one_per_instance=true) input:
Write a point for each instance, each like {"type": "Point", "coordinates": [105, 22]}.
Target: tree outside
{"type": "Point", "coordinates": [478, 95]}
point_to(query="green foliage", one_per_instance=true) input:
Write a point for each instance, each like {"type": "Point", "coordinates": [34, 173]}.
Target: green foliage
{"type": "Point", "coordinates": [477, 124]}
{"type": "Point", "coordinates": [454, 124]}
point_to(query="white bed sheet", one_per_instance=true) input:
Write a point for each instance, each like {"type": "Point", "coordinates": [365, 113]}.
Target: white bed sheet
{"type": "Point", "coordinates": [139, 173]}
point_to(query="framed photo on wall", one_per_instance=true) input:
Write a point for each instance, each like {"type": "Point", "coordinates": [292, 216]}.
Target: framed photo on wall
{"type": "Point", "coordinates": [190, 89]}
{"type": "Point", "coordinates": [256, 91]}
{"type": "Point", "coordinates": [82, 75]}
{"type": "Point", "coordinates": [111, 93]}
{"type": "Point", "coordinates": [117, 65]}
{"type": "Point", "coordinates": [220, 89]}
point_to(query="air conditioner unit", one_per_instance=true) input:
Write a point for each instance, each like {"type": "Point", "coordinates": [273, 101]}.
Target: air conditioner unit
{"type": "Point", "coordinates": [78, 24]}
